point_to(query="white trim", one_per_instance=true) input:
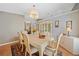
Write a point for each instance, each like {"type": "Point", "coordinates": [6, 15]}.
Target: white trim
{"type": "Point", "coordinates": [8, 43]}
{"type": "Point", "coordinates": [14, 13]}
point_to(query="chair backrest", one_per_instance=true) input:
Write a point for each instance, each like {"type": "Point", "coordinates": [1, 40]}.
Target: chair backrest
{"type": "Point", "coordinates": [26, 43]}
{"type": "Point", "coordinates": [24, 32]}
{"type": "Point", "coordinates": [59, 38]}
{"type": "Point", "coordinates": [20, 37]}
{"type": "Point", "coordinates": [58, 42]}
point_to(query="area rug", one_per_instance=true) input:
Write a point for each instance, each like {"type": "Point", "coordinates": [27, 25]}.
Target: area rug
{"type": "Point", "coordinates": [17, 50]}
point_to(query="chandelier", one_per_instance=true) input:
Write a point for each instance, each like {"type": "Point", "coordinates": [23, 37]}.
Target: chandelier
{"type": "Point", "coordinates": [33, 13]}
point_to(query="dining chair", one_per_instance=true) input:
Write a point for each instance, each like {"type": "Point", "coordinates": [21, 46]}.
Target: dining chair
{"type": "Point", "coordinates": [52, 49]}
{"type": "Point", "coordinates": [29, 49]}
{"type": "Point", "coordinates": [21, 43]}
{"type": "Point", "coordinates": [20, 37]}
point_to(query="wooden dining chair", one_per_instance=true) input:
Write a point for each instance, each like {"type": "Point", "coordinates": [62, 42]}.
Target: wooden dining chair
{"type": "Point", "coordinates": [29, 49]}
{"type": "Point", "coordinates": [20, 47]}
{"type": "Point", "coordinates": [53, 48]}
{"type": "Point", "coordinates": [20, 37]}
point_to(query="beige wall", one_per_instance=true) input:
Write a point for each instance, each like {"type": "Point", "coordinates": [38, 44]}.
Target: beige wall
{"type": "Point", "coordinates": [75, 23]}
{"type": "Point", "coordinates": [10, 24]}
{"type": "Point", "coordinates": [78, 26]}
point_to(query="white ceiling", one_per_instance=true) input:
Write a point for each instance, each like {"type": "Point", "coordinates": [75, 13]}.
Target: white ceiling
{"type": "Point", "coordinates": [45, 9]}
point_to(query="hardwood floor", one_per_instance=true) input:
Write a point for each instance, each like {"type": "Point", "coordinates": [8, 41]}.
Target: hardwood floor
{"type": "Point", "coordinates": [65, 52]}
{"type": "Point", "coordinates": [5, 50]}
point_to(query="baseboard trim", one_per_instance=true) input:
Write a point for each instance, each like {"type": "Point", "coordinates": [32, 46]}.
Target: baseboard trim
{"type": "Point", "coordinates": [9, 43]}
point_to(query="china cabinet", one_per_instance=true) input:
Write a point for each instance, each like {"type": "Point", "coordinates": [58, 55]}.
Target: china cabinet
{"type": "Point", "coordinates": [45, 26]}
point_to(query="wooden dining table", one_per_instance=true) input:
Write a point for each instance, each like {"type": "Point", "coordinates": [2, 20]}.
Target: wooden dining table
{"type": "Point", "coordinates": [39, 43]}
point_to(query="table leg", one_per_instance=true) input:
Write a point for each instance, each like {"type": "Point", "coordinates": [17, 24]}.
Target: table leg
{"type": "Point", "coordinates": [42, 48]}
{"type": "Point", "coordinates": [41, 52]}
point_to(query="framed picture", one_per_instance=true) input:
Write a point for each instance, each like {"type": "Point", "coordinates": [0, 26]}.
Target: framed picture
{"type": "Point", "coordinates": [57, 23]}
{"type": "Point", "coordinates": [69, 24]}
{"type": "Point", "coordinates": [27, 27]}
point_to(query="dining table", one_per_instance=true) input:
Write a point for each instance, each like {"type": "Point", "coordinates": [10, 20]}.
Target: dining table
{"type": "Point", "coordinates": [39, 43]}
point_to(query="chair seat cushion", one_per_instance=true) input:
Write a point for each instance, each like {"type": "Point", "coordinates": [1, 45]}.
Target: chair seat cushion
{"type": "Point", "coordinates": [51, 48]}
{"type": "Point", "coordinates": [33, 50]}
{"type": "Point", "coordinates": [53, 44]}
{"type": "Point", "coordinates": [49, 52]}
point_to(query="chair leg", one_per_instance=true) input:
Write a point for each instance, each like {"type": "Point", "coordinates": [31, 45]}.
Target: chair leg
{"type": "Point", "coordinates": [25, 53]}
{"type": "Point", "coordinates": [30, 54]}
{"type": "Point", "coordinates": [55, 54]}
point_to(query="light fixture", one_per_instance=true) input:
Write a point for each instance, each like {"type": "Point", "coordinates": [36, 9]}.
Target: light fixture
{"type": "Point", "coordinates": [33, 13]}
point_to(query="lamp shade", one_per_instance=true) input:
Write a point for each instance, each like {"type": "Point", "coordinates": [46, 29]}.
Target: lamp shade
{"type": "Point", "coordinates": [69, 29]}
